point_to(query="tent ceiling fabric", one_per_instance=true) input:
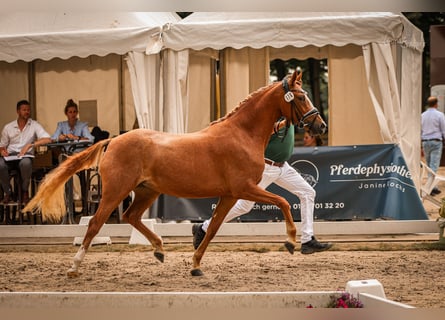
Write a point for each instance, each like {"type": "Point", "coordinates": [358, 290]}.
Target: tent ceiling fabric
{"type": "Point", "coordinates": [43, 35]}
{"type": "Point", "coordinates": [218, 30]}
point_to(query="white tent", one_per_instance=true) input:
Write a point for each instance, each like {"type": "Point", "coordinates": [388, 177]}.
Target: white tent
{"type": "Point", "coordinates": [50, 57]}
{"type": "Point", "coordinates": [374, 64]}
{"type": "Point", "coordinates": [219, 30]}
{"type": "Point", "coordinates": [37, 35]}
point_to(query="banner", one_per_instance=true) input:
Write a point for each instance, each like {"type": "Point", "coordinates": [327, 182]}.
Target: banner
{"type": "Point", "coordinates": [365, 182]}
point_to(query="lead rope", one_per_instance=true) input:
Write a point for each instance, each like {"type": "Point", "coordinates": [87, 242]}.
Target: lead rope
{"type": "Point", "coordinates": [276, 128]}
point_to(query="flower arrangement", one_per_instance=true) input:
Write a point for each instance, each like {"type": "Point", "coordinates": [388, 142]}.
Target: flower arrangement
{"type": "Point", "coordinates": [345, 300]}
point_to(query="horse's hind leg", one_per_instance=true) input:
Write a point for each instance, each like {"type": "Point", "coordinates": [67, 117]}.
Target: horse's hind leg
{"type": "Point", "coordinates": [110, 199]}
{"type": "Point", "coordinates": [221, 210]}
{"type": "Point", "coordinates": [143, 199]}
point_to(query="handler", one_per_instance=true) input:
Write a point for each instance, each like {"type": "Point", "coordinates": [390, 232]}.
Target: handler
{"type": "Point", "coordinates": [278, 171]}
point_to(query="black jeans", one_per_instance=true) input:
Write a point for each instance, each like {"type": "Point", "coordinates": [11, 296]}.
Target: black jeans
{"type": "Point", "coordinates": [24, 166]}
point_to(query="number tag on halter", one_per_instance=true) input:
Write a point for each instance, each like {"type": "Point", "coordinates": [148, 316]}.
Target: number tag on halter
{"type": "Point", "coordinates": [289, 96]}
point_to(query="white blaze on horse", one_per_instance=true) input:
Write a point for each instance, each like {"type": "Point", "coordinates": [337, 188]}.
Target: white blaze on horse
{"type": "Point", "coordinates": [224, 160]}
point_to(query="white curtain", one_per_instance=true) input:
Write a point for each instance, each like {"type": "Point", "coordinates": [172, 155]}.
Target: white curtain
{"type": "Point", "coordinates": [159, 88]}
{"type": "Point", "coordinates": [411, 102]}
{"type": "Point", "coordinates": [398, 122]}
{"type": "Point", "coordinates": [175, 92]}
{"type": "Point", "coordinates": [145, 86]}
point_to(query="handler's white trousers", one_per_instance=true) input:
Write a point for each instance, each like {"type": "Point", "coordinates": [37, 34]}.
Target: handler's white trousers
{"type": "Point", "coordinates": [287, 178]}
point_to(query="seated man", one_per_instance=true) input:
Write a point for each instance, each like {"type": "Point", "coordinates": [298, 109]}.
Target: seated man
{"type": "Point", "coordinates": [19, 138]}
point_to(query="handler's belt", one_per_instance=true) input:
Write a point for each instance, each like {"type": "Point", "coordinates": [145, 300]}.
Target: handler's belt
{"type": "Point", "coordinates": [273, 163]}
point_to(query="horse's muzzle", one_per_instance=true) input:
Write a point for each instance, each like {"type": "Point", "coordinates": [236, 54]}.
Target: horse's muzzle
{"type": "Point", "coordinates": [318, 129]}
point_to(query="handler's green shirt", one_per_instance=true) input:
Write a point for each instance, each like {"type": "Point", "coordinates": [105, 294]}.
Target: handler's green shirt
{"type": "Point", "coordinates": [279, 149]}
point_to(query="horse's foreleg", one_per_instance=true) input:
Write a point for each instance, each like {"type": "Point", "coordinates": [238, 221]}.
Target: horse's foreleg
{"type": "Point", "coordinates": [291, 229]}
{"type": "Point", "coordinates": [143, 199]}
{"type": "Point", "coordinates": [221, 210]}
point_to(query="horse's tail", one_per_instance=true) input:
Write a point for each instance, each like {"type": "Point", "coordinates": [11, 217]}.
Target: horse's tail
{"type": "Point", "coordinates": [50, 197]}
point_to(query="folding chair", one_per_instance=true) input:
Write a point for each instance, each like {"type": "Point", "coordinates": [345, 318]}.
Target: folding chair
{"type": "Point", "coordinates": [13, 209]}
{"type": "Point", "coordinates": [429, 180]}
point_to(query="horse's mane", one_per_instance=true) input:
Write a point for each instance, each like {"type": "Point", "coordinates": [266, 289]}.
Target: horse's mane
{"type": "Point", "coordinates": [242, 103]}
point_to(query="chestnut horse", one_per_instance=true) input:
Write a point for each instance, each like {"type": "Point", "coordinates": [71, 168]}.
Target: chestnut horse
{"type": "Point", "coordinates": [224, 160]}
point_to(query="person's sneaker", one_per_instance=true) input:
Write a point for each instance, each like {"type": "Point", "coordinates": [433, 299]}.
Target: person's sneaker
{"type": "Point", "coordinates": [198, 234]}
{"type": "Point", "coordinates": [314, 246]}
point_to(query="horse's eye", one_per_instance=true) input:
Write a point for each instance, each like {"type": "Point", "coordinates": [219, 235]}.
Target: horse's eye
{"type": "Point", "coordinates": [302, 98]}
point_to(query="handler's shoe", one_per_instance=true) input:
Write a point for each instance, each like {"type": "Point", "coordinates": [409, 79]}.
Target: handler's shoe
{"type": "Point", "coordinates": [198, 234]}
{"type": "Point", "coordinates": [314, 246]}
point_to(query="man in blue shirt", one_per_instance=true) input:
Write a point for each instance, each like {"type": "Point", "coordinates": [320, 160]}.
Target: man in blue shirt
{"type": "Point", "coordinates": [433, 132]}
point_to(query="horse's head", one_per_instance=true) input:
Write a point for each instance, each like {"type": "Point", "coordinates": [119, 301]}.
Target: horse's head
{"type": "Point", "coordinates": [302, 111]}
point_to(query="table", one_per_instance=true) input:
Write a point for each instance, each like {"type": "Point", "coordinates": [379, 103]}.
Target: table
{"type": "Point", "coordinates": [69, 147]}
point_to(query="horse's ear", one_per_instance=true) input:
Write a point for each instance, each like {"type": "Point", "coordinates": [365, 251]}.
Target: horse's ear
{"type": "Point", "coordinates": [296, 77]}
{"type": "Point", "coordinates": [299, 76]}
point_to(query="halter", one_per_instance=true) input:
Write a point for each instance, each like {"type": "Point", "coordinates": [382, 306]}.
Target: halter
{"type": "Point", "coordinates": [289, 97]}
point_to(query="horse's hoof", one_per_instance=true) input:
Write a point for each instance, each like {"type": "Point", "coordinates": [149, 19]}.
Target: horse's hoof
{"type": "Point", "coordinates": [197, 273]}
{"type": "Point", "coordinates": [290, 247]}
{"type": "Point", "coordinates": [72, 274]}
{"type": "Point", "coordinates": [159, 256]}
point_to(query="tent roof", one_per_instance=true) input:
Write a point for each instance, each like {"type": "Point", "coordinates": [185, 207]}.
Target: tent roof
{"type": "Point", "coordinates": [43, 35]}
{"type": "Point", "coordinates": [218, 30]}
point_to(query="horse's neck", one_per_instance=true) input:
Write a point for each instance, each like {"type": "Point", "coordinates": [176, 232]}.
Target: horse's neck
{"type": "Point", "coordinates": [258, 114]}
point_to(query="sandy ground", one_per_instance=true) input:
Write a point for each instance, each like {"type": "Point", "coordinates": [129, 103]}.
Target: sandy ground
{"type": "Point", "coordinates": [411, 272]}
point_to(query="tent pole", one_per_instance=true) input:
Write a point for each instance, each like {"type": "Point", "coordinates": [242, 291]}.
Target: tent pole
{"type": "Point", "coordinates": [32, 88]}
